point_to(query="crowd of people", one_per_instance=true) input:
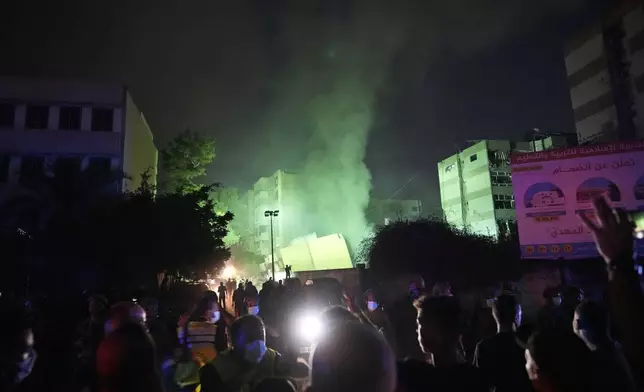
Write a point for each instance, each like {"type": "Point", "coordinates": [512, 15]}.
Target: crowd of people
{"type": "Point", "coordinates": [419, 342]}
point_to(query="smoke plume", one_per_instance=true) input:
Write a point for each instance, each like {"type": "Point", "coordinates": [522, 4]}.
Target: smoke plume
{"type": "Point", "coordinates": [339, 70]}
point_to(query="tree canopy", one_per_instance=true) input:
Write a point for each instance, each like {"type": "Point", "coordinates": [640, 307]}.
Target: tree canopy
{"type": "Point", "coordinates": [184, 160]}
{"type": "Point", "coordinates": [438, 252]}
{"type": "Point", "coordinates": [118, 240]}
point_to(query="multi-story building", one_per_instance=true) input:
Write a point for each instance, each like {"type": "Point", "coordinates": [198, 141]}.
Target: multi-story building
{"type": "Point", "coordinates": [277, 192]}
{"type": "Point", "coordinates": [47, 124]}
{"type": "Point", "coordinates": [605, 66]}
{"type": "Point", "coordinates": [476, 184]}
{"type": "Point", "coordinates": [382, 212]}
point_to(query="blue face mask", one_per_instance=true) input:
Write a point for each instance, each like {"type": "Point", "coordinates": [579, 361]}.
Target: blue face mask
{"type": "Point", "coordinates": [255, 351]}
{"type": "Point", "coordinates": [253, 310]}
{"type": "Point", "coordinates": [372, 305]}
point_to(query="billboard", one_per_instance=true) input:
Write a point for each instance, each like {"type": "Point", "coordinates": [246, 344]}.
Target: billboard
{"type": "Point", "coordinates": [552, 187]}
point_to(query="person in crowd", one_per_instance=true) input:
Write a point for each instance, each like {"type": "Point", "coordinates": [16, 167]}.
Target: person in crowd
{"type": "Point", "coordinates": [556, 360]}
{"type": "Point", "coordinates": [439, 335]}
{"type": "Point", "coordinates": [275, 384]}
{"type": "Point", "coordinates": [123, 312]}
{"type": "Point", "coordinates": [127, 361]}
{"type": "Point", "coordinates": [251, 290]}
{"type": "Point", "coordinates": [571, 298]}
{"type": "Point", "coordinates": [591, 324]}
{"type": "Point", "coordinates": [230, 287]}
{"type": "Point", "coordinates": [500, 358]}
{"type": "Point", "coordinates": [335, 315]}
{"type": "Point", "coordinates": [441, 289]}
{"type": "Point", "coordinates": [89, 334]}
{"type": "Point", "coordinates": [17, 354]}
{"type": "Point", "coordinates": [248, 362]}
{"type": "Point", "coordinates": [222, 295]}
{"type": "Point", "coordinates": [551, 314]}
{"type": "Point", "coordinates": [352, 357]}
{"type": "Point", "coordinates": [158, 328]}
{"type": "Point", "coordinates": [401, 293]}
{"type": "Point", "coordinates": [378, 317]}
{"type": "Point", "coordinates": [613, 235]}
{"type": "Point", "coordinates": [202, 334]}
{"type": "Point", "coordinates": [239, 300]}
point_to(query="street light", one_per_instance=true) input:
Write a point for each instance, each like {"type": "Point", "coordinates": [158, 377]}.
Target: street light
{"type": "Point", "coordinates": [272, 214]}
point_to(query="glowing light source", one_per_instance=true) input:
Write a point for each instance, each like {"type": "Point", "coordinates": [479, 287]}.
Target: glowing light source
{"type": "Point", "coordinates": [228, 272]}
{"type": "Point", "coordinates": [639, 235]}
{"type": "Point", "coordinates": [309, 327]}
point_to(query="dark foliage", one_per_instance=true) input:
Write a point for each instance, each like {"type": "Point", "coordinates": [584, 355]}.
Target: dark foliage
{"type": "Point", "coordinates": [81, 237]}
{"type": "Point", "coordinates": [439, 253]}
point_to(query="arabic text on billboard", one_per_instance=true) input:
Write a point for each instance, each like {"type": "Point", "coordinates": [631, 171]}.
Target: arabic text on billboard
{"type": "Point", "coordinates": [552, 187]}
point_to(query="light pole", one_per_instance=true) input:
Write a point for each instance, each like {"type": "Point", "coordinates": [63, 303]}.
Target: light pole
{"type": "Point", "coordinates": [271, 214]}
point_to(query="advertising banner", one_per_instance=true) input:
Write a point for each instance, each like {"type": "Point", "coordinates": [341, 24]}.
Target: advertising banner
{"type": "Point", "coordinates": [552, 187]}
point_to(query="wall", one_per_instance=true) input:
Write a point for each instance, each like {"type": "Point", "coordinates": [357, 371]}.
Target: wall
{"type": "Point", "coordinates": [469, 180]}
{"type": "Point", "coordinates": [140, 153]}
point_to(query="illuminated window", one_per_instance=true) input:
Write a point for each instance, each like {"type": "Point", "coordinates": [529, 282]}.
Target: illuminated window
{"type": "Point", "coordinates": [37, 117]}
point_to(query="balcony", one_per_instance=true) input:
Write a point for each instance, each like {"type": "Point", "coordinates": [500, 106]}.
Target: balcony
{"type": "Point", "coordinates": [25, 142]}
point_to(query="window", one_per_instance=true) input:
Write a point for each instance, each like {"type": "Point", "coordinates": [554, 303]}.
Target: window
{"type": "Point", "coordinates": [473, 158]}
{"type": "Point", "coordinates": [414, 209]}
{"type": "Point", "coordinates": [37, 117]}
{"type": "Point", "coordinates": [102, 119]}
{"type": "Point", "coordinates": [501, 178]}
{"type": "Point", "coordinates": [101, 167]}
{"type": "Point", "coordinates": [503, 202]}
{"type": "Point", "coordinates": [7, 115]}
{"type": "Point", "coordinates": [69, 119]}
{"type": "Point", "coordinates": [4, 167]}
{"type": "Point", "coordinates": [67, 166]}
{"type": "Point", "coordinates": [31, 166]}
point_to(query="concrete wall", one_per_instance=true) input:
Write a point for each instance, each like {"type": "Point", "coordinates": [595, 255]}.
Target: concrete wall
{"type": "Point", "coordinates": [139, 152]}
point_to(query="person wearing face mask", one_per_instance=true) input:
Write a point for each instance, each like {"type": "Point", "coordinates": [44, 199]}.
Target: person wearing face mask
{"type": "Point", "coordinates": [248, 362]}
{"type": "Point", "coordinates": [551, 315]}
{"type": "Point", "coordinates": [17, 354]}
{"type": "Point", "coordinates": [378, 317]}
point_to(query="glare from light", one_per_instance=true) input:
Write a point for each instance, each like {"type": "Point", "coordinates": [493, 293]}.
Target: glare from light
{"type": "Point", "coordinates": [639, 235]}
{"type": "Point", "coordinates": [228, 272]}
{"type": "Point", "coordinates": [309, 327]}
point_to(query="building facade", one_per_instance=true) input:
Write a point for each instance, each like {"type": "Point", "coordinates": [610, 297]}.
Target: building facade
{"type": "Point", "coordinates": [476, 184]}
{"type": "Point", "coordinates": [605, 67]}
{"type": "Point", "coordinates": [47, 124]}
{"type": "Point", "coordinates": [276, 192]}
{"type": "Point", "coordinates": [383, 212]}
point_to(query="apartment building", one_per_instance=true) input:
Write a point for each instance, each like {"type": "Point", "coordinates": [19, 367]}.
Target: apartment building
{"type": "Point", "coordinates": [276, 192]}
{"type": "Point", "coordinates": [476, 183]}
{"type": "Point", "coordinates": [605, 67]}
{"type": "Point", "coordinates": [49, 125]}
{"type": "Point", "coordinates": [385, 211]}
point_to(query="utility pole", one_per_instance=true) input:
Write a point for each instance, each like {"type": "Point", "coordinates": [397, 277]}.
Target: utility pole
{"type": "Point", "coordinates": [270, 214]}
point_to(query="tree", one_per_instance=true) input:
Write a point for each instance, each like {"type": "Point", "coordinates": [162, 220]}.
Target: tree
{"type": "Point", "coordinates": [226, 200]}
{"type": "Point", "coordinates": [185, 159]}
{"type": "Point", "coordinates": [438, 252]}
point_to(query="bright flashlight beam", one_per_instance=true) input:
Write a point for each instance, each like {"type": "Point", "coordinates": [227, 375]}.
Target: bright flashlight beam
{"type": "Point", "coordinates": [310, 328]}
{"type": "Point", "coordinates": [228, 272]}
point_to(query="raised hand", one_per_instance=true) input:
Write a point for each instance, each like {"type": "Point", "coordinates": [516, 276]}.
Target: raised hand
{"type": "Point", "coordinates": [613, 233]}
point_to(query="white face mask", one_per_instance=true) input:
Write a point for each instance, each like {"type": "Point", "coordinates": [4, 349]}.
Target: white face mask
{"type": "Point", "coordinates": [372, 305]}
{"type": "Point", "coordinates": [255, 351]}
{"type": "Point", "coordinates": [215, 317]}
{"type": "Point", "coordinates": [253, 310]}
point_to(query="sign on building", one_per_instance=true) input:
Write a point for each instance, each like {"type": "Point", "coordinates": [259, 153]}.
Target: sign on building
{"type": "Point", "coordinates": [552, 187]}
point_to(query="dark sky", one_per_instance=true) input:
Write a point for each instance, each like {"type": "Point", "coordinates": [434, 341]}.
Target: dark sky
{"type": "Point", "coordinates": [493, 69]}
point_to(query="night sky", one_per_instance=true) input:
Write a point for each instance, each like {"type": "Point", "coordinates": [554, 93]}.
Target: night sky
{"type": "Point", "coordinates": [472, 69]}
